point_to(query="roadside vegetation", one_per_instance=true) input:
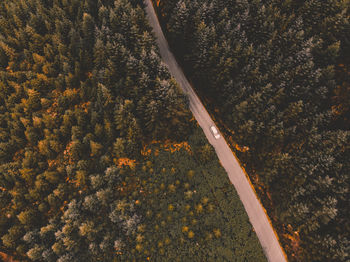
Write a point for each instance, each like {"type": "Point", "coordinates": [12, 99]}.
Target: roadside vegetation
{"type": "Point", "coordinates": [276, 77]}
{"type": "Point", "coordinates": [100, 159]}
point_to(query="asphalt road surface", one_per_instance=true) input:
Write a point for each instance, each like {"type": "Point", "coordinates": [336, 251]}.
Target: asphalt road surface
{"type": "Point", "coordinates": [253, 207]}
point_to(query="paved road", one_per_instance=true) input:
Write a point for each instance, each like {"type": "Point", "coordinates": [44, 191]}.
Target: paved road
{"type": "Point", "coordinates": [253, 207]}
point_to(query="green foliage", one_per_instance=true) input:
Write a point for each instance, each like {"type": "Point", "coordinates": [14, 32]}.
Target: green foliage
{"type": "Point", "coordinates": [186, 212]}
{"type": "Point", "coordinates": [82, 93]}
{"type": "Point", "coordinates": [277, 74]}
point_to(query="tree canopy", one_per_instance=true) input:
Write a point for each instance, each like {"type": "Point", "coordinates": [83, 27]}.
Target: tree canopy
{"type": "Point", "coordinates": [276, 74]}
{"type": "Point", "coordinates": [99, 158]}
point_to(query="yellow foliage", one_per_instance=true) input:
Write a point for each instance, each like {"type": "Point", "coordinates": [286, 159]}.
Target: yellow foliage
{"type": "Point", "coordinates": [199, 208]}
{"type": "Point", "coordinates": [184, 229]}
{"type": "Point", "coordinates": [167, 241]}
{"type": "Point", "coordinates": [141, 228]}
{"type": "Point", "coordinates": [172, 188]}
{"type": "Point", "coordinates": [194, 222]}
{"type": "Point", "coordinates": [190, 234]}
{"type": "Point", "coordinates": [8, 50]}
{"type": "Point", "coordinates": [95, 148]}
{"type": "Point", "coordinates": [43, 146]}
{"type": "Point", "coordinates": [210, 208]}
{"type": "Point", "coordinates": [42, 77]}
{"type": "Point", "coordinates": [24, 102]}
{"type": "Point", "coordinates": [37, 122]}
{"type": "Point", "coordinates": [190, 174]}
{"type": "Point", "coordinates": [205, 200]}
{"type": "Point", "coordinates": [149, 164]}
{"type": "Point", "coordinates": [138, 247]}
{"type": "Point", "coordinates": [27, 174]}
{"type": "Point", "coordinates": [70, 92]}
{"type": "Point", "coordinates": [170, 207]}
{"type": "Point", "coordinates": [217, 233]}
{"type": "Point", "coordinates": [38, 59]}
{"type": "Point", "coordinates": [46, 68]}
{"type": "Point", "coordinates": [24, 121]}
{"type": "Point", "coordinates": [139, 238]}
{"type": "Point", "coordinates": [81, 177]}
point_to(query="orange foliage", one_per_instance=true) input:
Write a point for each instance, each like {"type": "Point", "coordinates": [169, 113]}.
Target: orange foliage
{"type": "Point", "coordinates": [6, 257]}
{"type": "Point", "coordinates": [145, 151]}
{"type": "Point", "coordinates": [336, 110]}
{"type": "Point", "coordinates": [120, 162]}
{"type": "Point", "coordinates": [36, 121]}
{"type": "Point", "coordinates": [70, 92]}
{"type": "Point", "coordinates": [9, 69]}
{"type": "Point", "coordinates": [177, 146]}
{"type": "Point", "coordinates": [85, 106]}
{"type": "Point", "coordinates": [73, 181]}
{"type": "Point", "coordinates": [62, 207]}
{"type": "Point", "coordinates": [18, 155]}
{"type": "Point", "coordinates": [38, 59]}
{"type": "Point", "coordinates": [52, 163]}
{"type": "Point", "coordinates": [67, 154]}
{"type": "Point", "coordinates": [42, 77]}
{"type": "Point", "coordinates": [241, 149]}
{"type": "Point", "coordinates": [294, 238]}
{"type": "Point", "coordinates": [167, 146]}
{"type": "Point", "coordinates": [56, 93]}
{"type": "Point", "coordinates": [16, 86]}
{"type": "Point", "coordinates": [51, 110]}
{"type": "Point", "coordinates": [24, 102]}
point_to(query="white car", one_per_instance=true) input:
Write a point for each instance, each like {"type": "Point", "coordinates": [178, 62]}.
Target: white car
{"type": "Point", "coordinates": [215, 132]}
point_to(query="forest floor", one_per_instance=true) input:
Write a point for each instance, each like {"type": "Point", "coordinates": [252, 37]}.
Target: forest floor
{"type": "Point", "coordinates": [196, 209]}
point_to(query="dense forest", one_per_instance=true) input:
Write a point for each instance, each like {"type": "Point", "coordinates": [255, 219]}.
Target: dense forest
{"type": "Point", "coordinates": [276, 76]}
{"type": "Point", "coordinates": [100, 159]}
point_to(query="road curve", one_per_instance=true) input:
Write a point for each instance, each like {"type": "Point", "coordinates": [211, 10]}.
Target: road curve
{"type": "Point", "coordinates": [253, 207]}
